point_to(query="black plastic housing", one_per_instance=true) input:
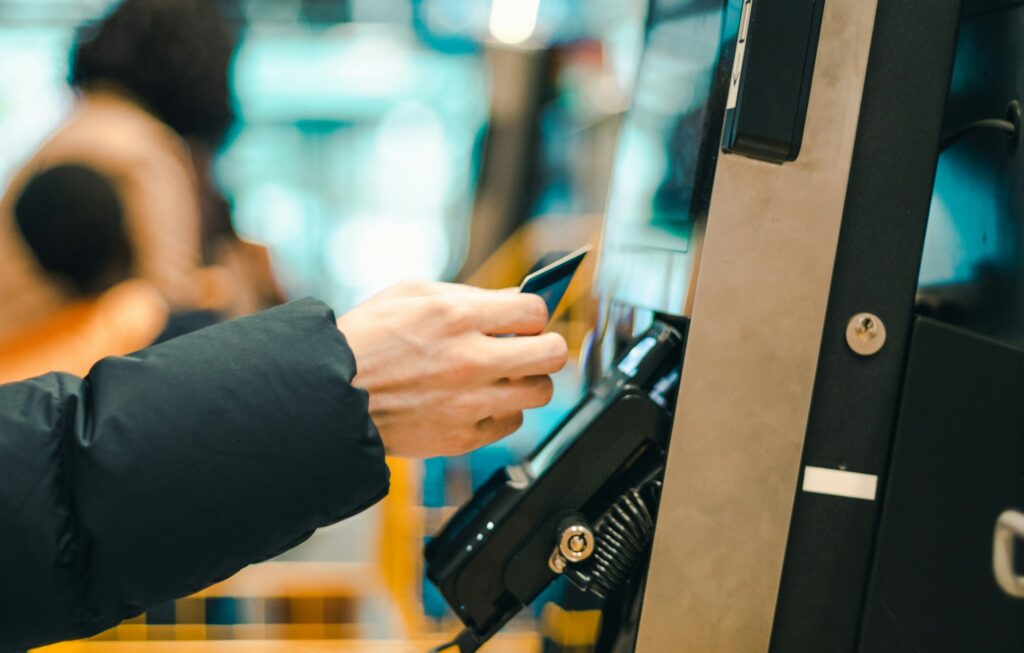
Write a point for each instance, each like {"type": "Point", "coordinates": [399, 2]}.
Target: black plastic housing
{"type": "Point", "coordinates": [771, 78]}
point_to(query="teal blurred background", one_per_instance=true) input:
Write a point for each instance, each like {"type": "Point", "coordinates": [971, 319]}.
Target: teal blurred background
{"type": "Point", "coordinates": [363, 122]}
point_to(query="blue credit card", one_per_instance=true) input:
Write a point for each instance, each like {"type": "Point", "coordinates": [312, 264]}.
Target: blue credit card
{"type": "Point", "coordinates": [551, 281]}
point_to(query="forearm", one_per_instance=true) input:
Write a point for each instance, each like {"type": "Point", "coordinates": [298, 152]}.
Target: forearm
{"type": "Point", "coordinates": [177, 466]}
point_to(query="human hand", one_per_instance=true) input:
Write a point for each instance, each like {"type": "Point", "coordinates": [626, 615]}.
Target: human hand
{"type": "Point", "coordinates": [440, 383]}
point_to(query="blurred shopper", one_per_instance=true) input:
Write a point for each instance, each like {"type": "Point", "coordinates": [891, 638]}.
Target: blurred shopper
{"type": "Point", "coordinates": [149, 76]}
{"type": "Point", "coordinates": [72, 220]}
{"type": "Point", "coordinates": [166, 471]}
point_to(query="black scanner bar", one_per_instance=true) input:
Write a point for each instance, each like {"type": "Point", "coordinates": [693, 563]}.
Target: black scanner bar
{"type": "Point", "coordinates": [771, 78]}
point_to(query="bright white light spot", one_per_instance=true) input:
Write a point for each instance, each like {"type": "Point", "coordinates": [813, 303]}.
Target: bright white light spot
{"type": "Point", "coordinates": [371, 253]}
{"type": "Point", "coordinates": [514, 21]}
{"type": "Point", "coordinates": [412, 160]}
{"type": "Point", "coordinates": [272, 213]}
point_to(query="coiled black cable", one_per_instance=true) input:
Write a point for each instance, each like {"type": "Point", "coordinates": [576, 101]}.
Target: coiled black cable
{"type": "Point", "coordinates": [623, 535]}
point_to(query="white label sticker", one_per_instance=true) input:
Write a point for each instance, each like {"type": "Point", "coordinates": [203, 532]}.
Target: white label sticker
{"type": "Point", "coordinates": [737, 64]}
{"type": "Point", "coordinates": [840, 483]}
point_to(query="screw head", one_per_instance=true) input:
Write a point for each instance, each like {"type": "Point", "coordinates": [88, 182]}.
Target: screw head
{"type": "Point", "coordinates": [865, 334]}
{"type": "Point", "coordinates": [556, 562]}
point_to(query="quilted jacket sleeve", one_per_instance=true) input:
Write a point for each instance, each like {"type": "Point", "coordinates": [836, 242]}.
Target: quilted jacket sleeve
{"type": "Point", "coordinates": [163, 472]}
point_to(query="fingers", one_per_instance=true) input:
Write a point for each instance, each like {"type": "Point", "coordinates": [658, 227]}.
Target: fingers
{"type": "Point", "coordinates": [427, 288]}
{"type": "Point", "coordinates": [527, 356]}
{"type": "Point", "coordinates": [496, 427]}
{"type": "Point", "coordinates": [500, 312]}
{"type": "Point", "coordinates": [442, 287]}
{"type": "Point", "coordinates": [461, 308]}
{"type": "Point", "coordinates": [505, 402]}
{"type": "Point", "coordinates": [509, 396]}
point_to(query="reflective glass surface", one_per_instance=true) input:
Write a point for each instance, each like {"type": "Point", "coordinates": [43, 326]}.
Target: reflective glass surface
{"type": "Point", "coordinates": [661, 185]}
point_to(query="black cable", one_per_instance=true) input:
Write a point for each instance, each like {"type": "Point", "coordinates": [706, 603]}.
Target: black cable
{"type": "Point", "coordinates": [464, 642]}
{"type": "Point", "coordinates": [998, 124]}
{"type": "Point", "coordinates": [444, 647]}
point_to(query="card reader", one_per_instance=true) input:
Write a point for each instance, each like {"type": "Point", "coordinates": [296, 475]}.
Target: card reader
{"type": "Point", "coordinates": [549, 515]}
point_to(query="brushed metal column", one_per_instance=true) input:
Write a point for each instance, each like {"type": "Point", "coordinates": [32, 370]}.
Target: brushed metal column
{"type": "Point", "coordinates": [751, 356]}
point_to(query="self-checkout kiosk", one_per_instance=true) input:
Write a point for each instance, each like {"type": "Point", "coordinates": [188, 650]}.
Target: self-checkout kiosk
{"type": "Point", "coordinates": [805, 429]}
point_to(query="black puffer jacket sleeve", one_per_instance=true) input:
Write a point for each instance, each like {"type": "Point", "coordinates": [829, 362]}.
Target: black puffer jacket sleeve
{"type": "Point", "coordinates": [163, 472]}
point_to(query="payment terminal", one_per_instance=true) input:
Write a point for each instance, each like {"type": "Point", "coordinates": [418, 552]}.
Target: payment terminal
{"type": "Point", "coordinates": [581, 504]}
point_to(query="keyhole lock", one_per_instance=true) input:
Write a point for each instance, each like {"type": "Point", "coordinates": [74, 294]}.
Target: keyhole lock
{"type": "Point", "coordinates": [576, 543]}
{"type": "Point", "coordinates": [865, 334]}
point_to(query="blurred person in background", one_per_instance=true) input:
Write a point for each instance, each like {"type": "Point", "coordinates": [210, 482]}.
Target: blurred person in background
{"type": "Point", "coordinates": [150, 77]}
{"type": "Point", "coordinates": [71, 218]}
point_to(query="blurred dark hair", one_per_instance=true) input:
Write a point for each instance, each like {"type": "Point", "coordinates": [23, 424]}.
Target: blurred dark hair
{"type": "Point", "coordinates": [72, 219]}
{"type": "Point", "coordinates": [171, 55]}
